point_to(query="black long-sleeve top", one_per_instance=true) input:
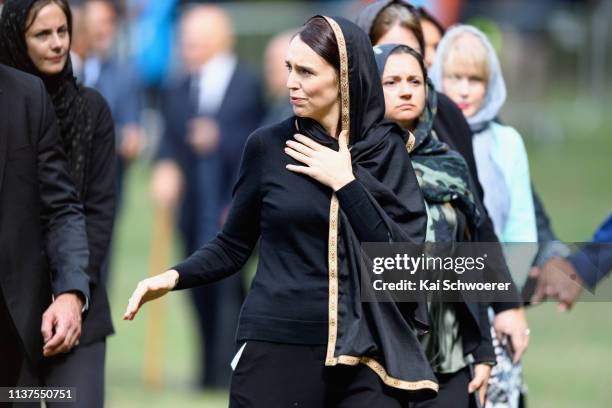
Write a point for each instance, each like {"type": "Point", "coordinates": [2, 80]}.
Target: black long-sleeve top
{"type": "Point", "coordinates": [289, 214]}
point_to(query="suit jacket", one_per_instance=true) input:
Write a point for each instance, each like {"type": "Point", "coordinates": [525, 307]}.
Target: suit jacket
{"type": "Point", "coordinates": [239, 114]}
{"type": "Point", "coordinates": [35, 186]}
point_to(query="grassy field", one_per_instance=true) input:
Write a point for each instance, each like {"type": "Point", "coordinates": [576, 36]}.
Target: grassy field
{"type": "Point", "coordinates": [568, 365]}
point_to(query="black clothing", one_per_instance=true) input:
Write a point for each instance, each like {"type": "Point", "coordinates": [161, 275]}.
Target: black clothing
{"type": "Point", "coordinates": [287, 302]}
{"type": "Point", "coordinates": [87, 134]}
{"type": "Point", "coordinates": [452, 128]}
{"type": "Point", "coordinates": [35, 185]}
{"type": "Point", "coordinates": [308, 280]}
{"type": "Point", "coordinates": [99, 207]}
{"type": "Point", "coordinates": [264, 378]}
{"type": "Point", "coordinates": [453, 392]}
{"type": "Point", "coordinates": [83, 369]}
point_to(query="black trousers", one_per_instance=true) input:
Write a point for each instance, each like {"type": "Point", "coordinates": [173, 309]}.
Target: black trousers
{"type": "Point", "coordinates": [12, 355]}
{"type": "Point", "coordinates": [453, 392]}
{"type": "Point", "coordinates": [271, 375]}
{"type": "Point", "coordinates": [81, 368]}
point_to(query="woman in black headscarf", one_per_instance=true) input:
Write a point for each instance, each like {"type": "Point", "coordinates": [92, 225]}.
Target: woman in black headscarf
{"type": "Point", "coordinates": [35, 37]}
{"type": "Point", "coordinates": [310, 190]}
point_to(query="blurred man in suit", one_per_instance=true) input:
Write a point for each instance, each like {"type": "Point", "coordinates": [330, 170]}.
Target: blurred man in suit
{"type": "Point", "coordinates": [39, 212]}
{"type": "Point", "coordinates": [208, 113]}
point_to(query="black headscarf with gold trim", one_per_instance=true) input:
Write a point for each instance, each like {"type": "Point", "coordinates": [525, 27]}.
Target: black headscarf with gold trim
{"type": "Point", "coordinates": [381, 335]}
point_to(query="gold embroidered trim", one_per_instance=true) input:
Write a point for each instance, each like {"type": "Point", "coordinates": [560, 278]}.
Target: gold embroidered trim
{"type": "Point", "coordinates": [332, 260]}
{"type": "Point", "coordinates": [344, 75]}
{"type": "Point", "coordinates": [410, 143]}
{"type": "Point", "coordinates": [332, 251]}
{"type": "Point", "coordinates": [385, 377]}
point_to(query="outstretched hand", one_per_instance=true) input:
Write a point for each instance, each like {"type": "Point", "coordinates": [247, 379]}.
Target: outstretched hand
{"type": "Point", "coordinates": [150, 289]}
{"type": "Point", "coordinates": [327, 166]}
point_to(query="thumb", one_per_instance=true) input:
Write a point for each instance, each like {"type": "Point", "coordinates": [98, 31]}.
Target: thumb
{"type": "Point", "coordinates": [343, 139]}
{"type": "Point", "coordinates": [476, 383]}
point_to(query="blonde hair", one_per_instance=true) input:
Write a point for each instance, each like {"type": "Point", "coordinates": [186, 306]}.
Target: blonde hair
{"type": "Point", "coordinates": [466, 53]}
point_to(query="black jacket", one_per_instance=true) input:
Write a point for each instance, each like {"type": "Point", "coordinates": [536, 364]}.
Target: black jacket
{"type": "Point", "coordinates": [452, 128]}
{"type": "Point", "coordinates": [99, 206]}
{"type": "Point", "coordinates": [34, 186]}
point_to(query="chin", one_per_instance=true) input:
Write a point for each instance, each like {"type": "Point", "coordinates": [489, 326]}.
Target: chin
{"type": "Point", "coordinates": [52, 70]}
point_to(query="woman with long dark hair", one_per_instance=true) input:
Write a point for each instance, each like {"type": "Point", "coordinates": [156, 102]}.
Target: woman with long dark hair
{"type": "Point", "coordinates": [310, 190]}
{"type": "Point", "coordinates": [35, 37]}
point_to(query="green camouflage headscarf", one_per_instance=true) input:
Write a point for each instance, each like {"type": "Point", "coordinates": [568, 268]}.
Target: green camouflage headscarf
{"type": "Point", "coordinates": [443, 177]}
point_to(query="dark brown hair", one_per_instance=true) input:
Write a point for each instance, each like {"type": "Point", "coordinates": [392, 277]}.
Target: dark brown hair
{"type": "Point", "coordinates": [425, 15]}
{"type": "Point", "coordinates": [40, 4]}
{"type": "Point", "coordinates": [318, 35]}
{"type": "Point", "coordinates": [402, 14]}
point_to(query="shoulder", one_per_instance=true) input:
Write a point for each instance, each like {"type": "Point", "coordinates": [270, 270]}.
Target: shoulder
{"type": "Point", "coordinates": [508, 136]}
{"type": "Point", "coordinates": [20, 85]}
{"type": "Point", "coordinates": [98, 106]}
{"type": "Point", "coordinates": [278, 131]}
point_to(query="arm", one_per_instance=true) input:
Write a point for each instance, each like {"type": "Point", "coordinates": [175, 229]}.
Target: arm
{"type": "Point", "coordinates": [99, 202]}
{"type": "Point", "coordinates": [62, 213]}
{"type": "Point", "coordinates": [521, 226]}
{"type": "Point", "coordinates": [66, 240]}
{"type": "Point", "coordinates": [225, 254]}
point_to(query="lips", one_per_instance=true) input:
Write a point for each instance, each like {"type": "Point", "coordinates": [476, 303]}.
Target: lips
{"type": "Point", "coordinates": [56, 59]}
{"type": "Point", "coordinates": [463, 105]}
{"type": "Point", "coordinates": [296, 100]}
{"type": "Point", "coordinates": [406, 106]}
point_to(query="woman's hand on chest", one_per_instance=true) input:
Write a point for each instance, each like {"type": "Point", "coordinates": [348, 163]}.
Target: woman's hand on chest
{"type": "Point", "coordinates": [327, 166]}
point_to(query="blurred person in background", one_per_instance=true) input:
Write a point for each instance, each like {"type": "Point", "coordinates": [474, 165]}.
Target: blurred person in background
{"type": "Point", "coordinates": [79, 45]}
{"type": "Point", "coordinates": [275, 71]}
{"type": "Point", "coordinates": [402, 20]}
{"type": "Point", "coordinates": [116, 79]}
{"type": "Point", "coordinates": [459, 342]}
{"type": "Point", "coordinates": [305, 336]}
{"type": "Point", "coordinates": [468, 71]}
{"type": "Point", "coordinates": [208, 114]}
{"type": "Point", "coordinates": [432, 34]}
{"type": "Point", "coordinates": [35, 36]}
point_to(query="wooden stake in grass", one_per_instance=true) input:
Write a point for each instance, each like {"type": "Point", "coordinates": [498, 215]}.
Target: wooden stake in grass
{"type": "Point", "coordinates": [161, 244]}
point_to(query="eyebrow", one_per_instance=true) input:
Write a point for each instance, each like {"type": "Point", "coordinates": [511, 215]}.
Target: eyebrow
{"type": "Point", "coordinates": [49, 30]}
{"type": "Point", "coordinates": [300, 66]}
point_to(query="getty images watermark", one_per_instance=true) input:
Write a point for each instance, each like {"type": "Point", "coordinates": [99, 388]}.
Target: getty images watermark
{"type": "Point", "coordinates": [470, 272]}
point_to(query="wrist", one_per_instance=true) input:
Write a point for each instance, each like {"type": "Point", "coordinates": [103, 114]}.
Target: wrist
{"type": "Point", "coordinates": [74, 296]}
{"type": "Point", "coordinates": [342, 182]}
{"type": "Point", "coordinates": [173, 278]}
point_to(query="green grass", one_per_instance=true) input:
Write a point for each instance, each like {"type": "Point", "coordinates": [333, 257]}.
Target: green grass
{"type": "Point", "coordinates": [569, 363]}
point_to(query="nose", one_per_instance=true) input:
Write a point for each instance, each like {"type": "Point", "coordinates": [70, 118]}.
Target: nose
{"type": "Point", "coordinates": [56, 42]}
{"type": "Point", "coordinates": [464, 86]}
{"type": "Point", "coordinates": [405, 90]}
{"type": "Point", "coordinates": [291, 81]}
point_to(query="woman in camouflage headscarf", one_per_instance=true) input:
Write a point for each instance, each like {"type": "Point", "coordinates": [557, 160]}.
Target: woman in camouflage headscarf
{"type": "Point", "coordinates": [459, 342]}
